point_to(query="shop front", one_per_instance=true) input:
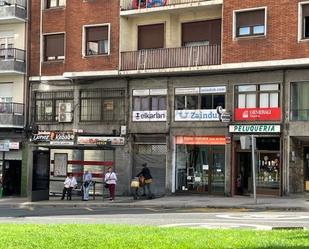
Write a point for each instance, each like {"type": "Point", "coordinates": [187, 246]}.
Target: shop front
{"type": "Point", "coordinates": [200, 164]}
{"type": "Point", "coordinates": [268, 158]}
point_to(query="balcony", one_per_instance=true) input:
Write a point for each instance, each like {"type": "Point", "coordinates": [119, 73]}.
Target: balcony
{"type": "Point", "coordinates": [195, 56]}
{"type": "Point", "coordinates": [13, 11]}
{"type": "Point", "coordinates": [12, 60]}
{"type": "Point", "coordinates": [141, 6]}
{"type": "Point", "coordinates": [11, 115]}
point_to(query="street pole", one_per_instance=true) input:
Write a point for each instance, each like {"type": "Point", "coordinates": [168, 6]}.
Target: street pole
{"type": "Point", "coordinates": [253, 169]}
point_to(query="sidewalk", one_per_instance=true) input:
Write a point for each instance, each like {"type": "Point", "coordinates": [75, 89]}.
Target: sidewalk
{"type": "Point", "coordinates": [295, 203]}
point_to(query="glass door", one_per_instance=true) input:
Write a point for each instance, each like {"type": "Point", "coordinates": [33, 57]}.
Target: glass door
{"type": "Point", "coordinates": [218, 170]}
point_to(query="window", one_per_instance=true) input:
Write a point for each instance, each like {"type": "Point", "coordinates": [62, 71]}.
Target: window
{"type": "Point", "coordinates": [151, 36]}
{"type": "Point", "coordinates": [47, 103]}
{"type": "Point", "coordinates": [250, 23]}
{"type": "Point", "coordinates": [149, 103]}
{"type": "Point", "coordinates": [305, 20]}
{"type": "Point", "coordinates": [102, 105]}
{"type": "Point", "coordinates": [54, 3]}
{"type": "Point", "coordinates": [97, 40]}
{"type": "Point", "coordinates": [6, 47]}
{"type": "Point", "coordinates": [201, 33]}
{"type": "Point", "coordinates": [6, 92]}
{"type": "Point", "coordinates": [299, 101]}
{"type": "Point", "coordinates": [53, 47]}
{"type": "Point", "coordinates": [201, 101]}
{"type": "Point", "coordinates": [258, 96]}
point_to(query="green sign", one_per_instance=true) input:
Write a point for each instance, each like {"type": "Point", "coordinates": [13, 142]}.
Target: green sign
{"type": "Point", "coordinates": [260, 128]}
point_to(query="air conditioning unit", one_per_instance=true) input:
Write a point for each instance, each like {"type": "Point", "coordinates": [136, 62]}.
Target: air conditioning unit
{"type": "Point", "coordinates": [65, 117]}
{"type": "Point", "coordinates": [65, 107]}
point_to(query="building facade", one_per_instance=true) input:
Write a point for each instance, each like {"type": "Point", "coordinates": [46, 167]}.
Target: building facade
{"type": "Point", "coordinates": [13, 95]}
{"type": "Point", "coordinates": [182, 85]}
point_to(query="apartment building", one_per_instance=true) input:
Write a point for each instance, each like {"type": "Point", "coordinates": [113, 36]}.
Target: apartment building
{"type": "Point", "coordinates": [13, 26]}
{"type": "Point", "coordinates": [179, 84]}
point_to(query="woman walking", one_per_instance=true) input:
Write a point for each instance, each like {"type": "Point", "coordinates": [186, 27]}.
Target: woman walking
{"type": "Point", "coordinates": [110, 179]}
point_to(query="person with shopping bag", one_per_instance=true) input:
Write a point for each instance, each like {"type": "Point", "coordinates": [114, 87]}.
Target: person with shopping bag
{"type": "Point", "coordinates": [110, 180]}
{"type": "Point", "coordinates": [145, 173]}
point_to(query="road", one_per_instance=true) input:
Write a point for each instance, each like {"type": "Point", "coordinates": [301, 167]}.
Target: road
{"type": "Point", "coordinates": [196, 218]}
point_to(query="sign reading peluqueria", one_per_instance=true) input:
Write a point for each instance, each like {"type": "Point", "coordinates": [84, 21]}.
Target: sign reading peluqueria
{"type": "Point", "coordinates": [257, 128]}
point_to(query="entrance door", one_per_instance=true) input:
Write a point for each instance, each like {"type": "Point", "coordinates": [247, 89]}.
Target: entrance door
{"type": "Point", "coordinates": [11, 178]}
{"type": "Point", "coordinates": [243, 173]}
{"type": "Point", "coordinates": [306, 168]}
{"type": "Point", "coordinates": [40, 175]}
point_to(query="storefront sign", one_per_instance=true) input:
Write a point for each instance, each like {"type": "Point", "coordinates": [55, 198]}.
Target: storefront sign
{"type": "Point", "coordinates": [87, 140]}
{"type": "Point", "coordinates": [187, 90]}
{"type": "Point", "coordinates": [196, 115]}
{"type": "Point", "coordinates": [149, 116]}
{"type": "Point", "coordinates": [242, 114]}
{"type": "Point", "coordinates": [54, 138]}
{"type": "Point", "coordinates": [262, 128]}
{"type": "Point", "coordinates": [14, 145]}
{"type": "Point", "coordinates": [207, 140]}
{"type": "Point", "coordinates": [158, 92]}
{"type": "Point", "coordinates": [141, 92]}
{"type": "Point", "coordinates": [213, 89]}
{"type": "Point", "coordinates": [4, 145]}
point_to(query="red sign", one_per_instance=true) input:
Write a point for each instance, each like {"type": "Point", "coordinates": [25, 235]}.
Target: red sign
{"type": "Point", "coordinates": [207, 140]}
{"type": "Point", "coordinates": [253, 114]}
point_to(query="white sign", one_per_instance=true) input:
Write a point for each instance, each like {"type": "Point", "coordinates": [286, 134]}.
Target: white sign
{"type": "Point", "coordinates": [140, 92]}
{"type": "Point", "coordinates": [158, 91]}
{"type": "Point", "coordinates": [4, 145]}
{"type": "Point", "coordinates": [88, 140]}
{"type": "Point", "coordinates": [187, 90]}
{"type": "Point", "coordinates": [260, 128]}
{"type": "Point", "coordinates": [149, 116]}
{"type": "Point", "coordinates": [214, 89]}
{"type": "Point", "coordinates": [196, 115]}
{"type": "Point", "coordinates": [60, 164]}
{"type": "Point", "coordinates": [14, 145]}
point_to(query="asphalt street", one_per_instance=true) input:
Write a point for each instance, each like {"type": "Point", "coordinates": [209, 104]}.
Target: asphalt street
{"type": "Point", "coordinates": [195, 218]}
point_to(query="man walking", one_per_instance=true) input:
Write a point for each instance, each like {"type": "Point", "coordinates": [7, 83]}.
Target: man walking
{"type": "Point", "coordinates": [87, 179]}
{"type": "Point", "coordinates": [147, 179]}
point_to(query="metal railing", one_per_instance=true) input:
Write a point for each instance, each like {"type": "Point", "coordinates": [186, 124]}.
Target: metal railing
{"type": "Point", "coordinates": [299, 115]}
{"type": "Point", "coordinates": [142, 4]}
{"type": "Point", "coordinates": [171, 57]}
{"type": "Point", "coordinates": [11, 114]}
{"type": "Point", "coordinates": [12, 54]}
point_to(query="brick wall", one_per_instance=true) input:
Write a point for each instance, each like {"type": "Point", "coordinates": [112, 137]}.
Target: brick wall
{"type": "Point", "coordinates": [71, 20]}
{"type": "Point", "coordinates": [280, 41]}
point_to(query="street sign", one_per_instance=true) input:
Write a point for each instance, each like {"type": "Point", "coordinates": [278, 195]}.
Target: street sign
{"type": "Point", "coordinates": [225, 117]}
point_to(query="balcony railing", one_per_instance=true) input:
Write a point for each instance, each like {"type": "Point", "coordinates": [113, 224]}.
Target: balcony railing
{"type": "Point", "coordinates": [12, 54]}
{"type": "Point", "coordinates": [171, 57]}
{"type": "Point", "coordinates": [12, 60]}
{"type": "Point", "coordinates": [13, 9]}
{"type": "Point", "coordinates": [142, 4]}
{"type": "Point", "coordinates": [11, 114]}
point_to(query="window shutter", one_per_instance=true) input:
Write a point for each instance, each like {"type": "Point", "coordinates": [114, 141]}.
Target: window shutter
{"type": "Point", "coordinates": [151, 36]}
{"type": "Point", "coordinates": [250, 18]}
{"type": "Point", "coordinates": [202, 31]}
{"type": "Point", "coordinates": [97, 33]}
{"type": "Point", "coordinates": [54, 45]}
{"type": "Point", "coordinates": [305, 10]}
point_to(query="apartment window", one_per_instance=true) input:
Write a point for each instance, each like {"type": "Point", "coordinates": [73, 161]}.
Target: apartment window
{"type": "Point", "coordinates": [6, 47]}
{"type": "Point", "coordinates": [6, 93]}
{"type": "Point", "coordinates": [151, 36]}
{"type": "Point", "coordinates": [305, 20]}
{"type": "Point", "coordinates": [97, 40]}
{"type": "Point", "coordinates": [54, 3]}
{"type": "Point", "coordinates": [201, 33]}
{"type": "Point", "coordinates": [149, 103]}
{"type": "Point", "coordinates": [47, 104]}
{"type": "Point", "coordinates": [299, 101]}
{"type": "Point", "coordinates": [54, 47]}
{"type": "Point", "coordinates": [258, 96]}
{"type": "Point", "coordinates": [102, 105]}
{"type": "Point", "coordinates": [250, 23]}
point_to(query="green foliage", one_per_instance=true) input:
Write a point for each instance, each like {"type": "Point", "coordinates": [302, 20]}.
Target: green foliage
{"type": "Point", "coordinates": [67, 236]}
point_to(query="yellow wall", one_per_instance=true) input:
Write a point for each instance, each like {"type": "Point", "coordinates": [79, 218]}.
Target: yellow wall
{"type": "Point", "coordinates": [172, 20]}
{"type": "Point", "coordinates": [18, 29]}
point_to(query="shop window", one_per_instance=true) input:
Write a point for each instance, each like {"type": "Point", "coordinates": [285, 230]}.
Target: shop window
{"type": "Point", "coordinates": [53, 47]}
{"type": "Point", "coordinates": [47, 105]}
{"type": "Point", "coordinates": [54, 3]}
{"type": "Point", "coordinates": [250, 23]}
{"type": "Point", "coordinates": [299, 101]}
{"type": "Point", "coordinates": [151, 36]}
{"type": "Point", "coordinates": [203, 101]}
{"type": "Point", "coordinates": [102, 105]}
{"type": "Point", "coordinates": [97, 40]}
{"type": "Point", "coordinates": [258, 96]}
{"type": "Point", "coordinates": [189, 102]}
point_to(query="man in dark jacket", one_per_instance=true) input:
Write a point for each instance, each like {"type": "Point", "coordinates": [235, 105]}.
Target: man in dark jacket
{"type": "Point", "coordinates": [147, 179]}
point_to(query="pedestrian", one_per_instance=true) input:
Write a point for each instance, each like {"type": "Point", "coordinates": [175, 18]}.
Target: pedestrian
{"type": "Point", "coordinates": [87, 180]}
{"type": "Point", "coordinates": [147, 179]}
{"type": "Point", "coordinates": [69, 183]}
{"type": "Point", "coordinates": [110, 179]}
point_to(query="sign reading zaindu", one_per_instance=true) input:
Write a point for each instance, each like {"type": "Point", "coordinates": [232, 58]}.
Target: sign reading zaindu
{"type": "Point", "coordinates": [260, 128]}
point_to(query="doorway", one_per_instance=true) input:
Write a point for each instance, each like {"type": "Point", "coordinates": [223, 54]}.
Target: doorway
{"type": "Point", "coordinates": [11, 177]}
{"type": "Point", "coordinates": [244, 173]}
{"type": "Point", "coordinates": [306, 168]}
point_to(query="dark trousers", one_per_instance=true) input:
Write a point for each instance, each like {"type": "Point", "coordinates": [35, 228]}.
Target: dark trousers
{"type": "Point", "coordinates": [69, 193]}
{"type": "Point", "coordinates": [111, 188]}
